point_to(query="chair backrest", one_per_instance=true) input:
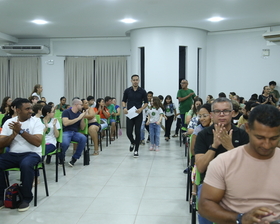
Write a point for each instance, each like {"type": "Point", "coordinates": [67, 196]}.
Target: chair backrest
{"type": "Point", "coordinates": [43, 144]}
{"type": "Point", "coordinates": [1, 118]}
{"type": "Point", "coordinates": [59, 138]}
{"type": "Point", "coordinates": [85, 131]}
{"type": "Point", "coordinates": [98, 118]}
{"type": "Point", "coordinates": [57, 113]}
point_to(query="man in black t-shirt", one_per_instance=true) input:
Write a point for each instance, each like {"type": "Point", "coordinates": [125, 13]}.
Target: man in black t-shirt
{"type": "Point", "coordinates": [134, 96]}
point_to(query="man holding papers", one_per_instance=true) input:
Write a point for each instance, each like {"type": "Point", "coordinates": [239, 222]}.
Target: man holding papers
{"type": "Point", "coordinates": [133, 99]}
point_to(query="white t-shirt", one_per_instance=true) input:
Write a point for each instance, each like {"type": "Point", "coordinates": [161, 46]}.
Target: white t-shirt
{"type": "Point", "coordinates": [155, 114]}
{"type": "Point", "coordinates": [19, 145]}
{"type": "Point", "coordinates": [50, 137]}
{"type": "Point", "coordinates": [248, 182]}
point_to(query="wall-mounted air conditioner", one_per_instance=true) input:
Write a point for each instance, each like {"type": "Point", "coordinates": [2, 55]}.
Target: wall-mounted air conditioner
{"type": "Point", "coordinates": [25, 49]}
{"type": "Point", "coordinates": [272, 36]}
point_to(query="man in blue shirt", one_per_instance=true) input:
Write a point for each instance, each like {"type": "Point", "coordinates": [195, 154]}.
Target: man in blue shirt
{"type": "Point", "coordinates": [72, 120]}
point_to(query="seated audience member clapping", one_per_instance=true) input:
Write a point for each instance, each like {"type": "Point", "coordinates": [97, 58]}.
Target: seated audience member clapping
{"type": "Point", "coordinates": [103, 112]}
{"type": "Point", "coordinates": [23, 134]}
{"type": "Point", "coordinates": [52, 127]}
{"type": "Point", "coordinates": [72, 120]}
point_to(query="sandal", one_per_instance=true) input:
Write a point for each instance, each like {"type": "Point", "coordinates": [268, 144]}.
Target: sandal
{"type": "Point", "coordinates": [173, 136]}
{"type": "Point", "coordinates": [96, 153]}
{"type": "Point", "coordinates": [112, 139]}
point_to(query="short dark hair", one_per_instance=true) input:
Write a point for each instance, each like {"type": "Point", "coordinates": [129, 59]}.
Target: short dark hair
{"type": "Point", "coordinates": [36, 107]}
{"type": "Point", "coordinates": [19, 101]}
{"type": "Point", "coordinates": [90, 98]}
{"type": "Point", "coordinates": [107, 98]}
{"type": "Point", "coordinates": [222, 94]}
{"type": "Point", "coordinates": [232, 93]}
{"type": "Point", "coordinates": [150, 92]}
{"type": "Point", "coordinates": [160, 97]}
{"type": "Point", "coordinates": [61, 98]}
{"type": "Point", "coordinates": [46, 109]}
{"type": "Point", "coordinates": [134, 76]}
{"type": "Point", "coordinates": [206, 106]}
{"type": "Point", "coordinates": [265, 114]}
{"type": "Point", "coordinates": [221, 100]}
{"type": "Point", "coordinates": [272, 83]}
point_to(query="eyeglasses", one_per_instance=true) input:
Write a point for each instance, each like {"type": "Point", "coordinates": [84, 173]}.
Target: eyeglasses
{"type": "Point", "coordinates": [219, 112]}
{"type": "Point", "coordinates": [182, 83]}
{"type": "Point", "coordinates": [203, 115]}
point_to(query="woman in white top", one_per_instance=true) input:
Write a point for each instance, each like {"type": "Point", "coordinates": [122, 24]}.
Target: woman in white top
{"type": "Point", "coordinates": [52, 127]}
{"type": "Point", "coordinates": [37, 91]}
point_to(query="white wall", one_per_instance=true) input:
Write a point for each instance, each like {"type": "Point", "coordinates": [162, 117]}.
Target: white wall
{"type": "Point", "coordinates": [233, 59]}
{"type": "Point", "coordinates": [162, 56]}
{"type": "Point", "coordinates": [235, 63]}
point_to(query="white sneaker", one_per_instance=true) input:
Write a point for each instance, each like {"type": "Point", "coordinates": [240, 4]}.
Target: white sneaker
{"type": "Point", "coordinates": [157, 148]}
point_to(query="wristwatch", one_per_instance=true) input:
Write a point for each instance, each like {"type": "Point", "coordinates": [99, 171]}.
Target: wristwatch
{"type": "Point", "coordinates": [21, 132]}
{"type": "Point", "coordinates": [212, 148]}
{"type": "Point", "coordinates": [239, 217]}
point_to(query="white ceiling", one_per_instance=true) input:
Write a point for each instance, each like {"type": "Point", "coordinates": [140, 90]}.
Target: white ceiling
{"type": "Point", "coordinates": [101, 18]}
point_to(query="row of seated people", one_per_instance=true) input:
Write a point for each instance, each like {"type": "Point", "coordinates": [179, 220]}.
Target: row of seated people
{"type": "Point", "coordinates": [22, 133]}
{"type": "Point", "coordinates": [214, 134]}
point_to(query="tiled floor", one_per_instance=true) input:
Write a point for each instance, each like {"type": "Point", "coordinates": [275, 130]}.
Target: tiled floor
{"type": "Point", "coordinates": [114, 189]}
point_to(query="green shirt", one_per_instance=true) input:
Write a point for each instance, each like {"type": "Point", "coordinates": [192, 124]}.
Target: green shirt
{"type": "Point", "coordinates": [111, 109]}
{"type": "Point", "coordinates": [185, 105]}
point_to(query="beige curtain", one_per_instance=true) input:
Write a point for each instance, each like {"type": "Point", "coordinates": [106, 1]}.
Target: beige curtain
{"type": "Point", "coordinates": [25, 73]}
{"type": "Point", "coordinates": [4, 75]}
{"type": "Point", "coordinates": [79, 77]}
{"type": "Point", "coordinates": [110, 78]}
{"type": "Point", "coordinates": [97, 76]}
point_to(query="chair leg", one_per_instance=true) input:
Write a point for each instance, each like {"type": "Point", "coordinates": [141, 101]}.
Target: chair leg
{"type": "Point", "coordinates": [100, 140]}
{"type": "Point", "coordinates": [36, 185]}
{"type": "Point", "coordinates": [107, 136]}
{"type": "Point", "coordinates": [180, 137]}
{"type": "Point", "coordinates": [45, 179]}
{"type": "Point", "coordinates": [116, 132]}
{"type": "Point", "coordinates": [56, 167]}
{"type": "Point", "coordinates": [6, 173]}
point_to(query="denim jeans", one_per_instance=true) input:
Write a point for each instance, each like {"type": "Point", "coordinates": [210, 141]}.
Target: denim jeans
{"type": "Point", "coordinates": [201, 220]}
{"type": "Point", "coordinates": [26, 162]}
{"type": "Point", "coordinates": [142, 131]}
{"type": "Point", "coordinates": [154, 133]}
{"type": "Point", "coordinates": [69, 136]}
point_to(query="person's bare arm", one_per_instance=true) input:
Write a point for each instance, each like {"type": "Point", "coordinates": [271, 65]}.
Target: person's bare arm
{"type": "Point", "coordinates": [181, 99]}
{"type": "Point", "coordinates": [202, 160]}
{"type": "Point", "coordinates": [90, 114]}
{"type": "Point", "coordinates": [35, 140]}
{"type": "Point", "coordinates": [209, 207]}
{"type": "Point", "coordinates": [66, 121]}
{"type": "Point", "coordinates": [193, 139]}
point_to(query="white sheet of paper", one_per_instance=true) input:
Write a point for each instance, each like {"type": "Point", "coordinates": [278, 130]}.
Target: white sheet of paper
{"type": "Point", "coordinates": [132, 112]}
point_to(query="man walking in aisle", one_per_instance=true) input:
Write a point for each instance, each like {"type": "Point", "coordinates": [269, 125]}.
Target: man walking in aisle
{"type": "Point", "coordinates": [134, 96]}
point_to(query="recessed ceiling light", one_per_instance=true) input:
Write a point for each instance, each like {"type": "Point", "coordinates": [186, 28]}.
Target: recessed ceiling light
{"type": "Point", "coordinates": [215, 19]}
{"type": "Point", "coordinates": [128, 20]}
{"type": "Point", "coordinates": [39, 21]}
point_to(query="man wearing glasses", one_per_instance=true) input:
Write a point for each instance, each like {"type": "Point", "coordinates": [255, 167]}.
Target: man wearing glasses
{"type": "Point", "coordinates": [220, 137]}
{"type": "Point", "coordinates": [185, 97]}
{"type": "Point", "coordinates": [72, 120]}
